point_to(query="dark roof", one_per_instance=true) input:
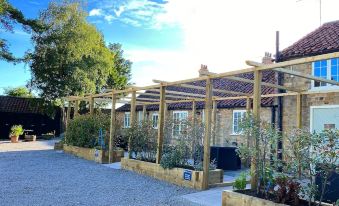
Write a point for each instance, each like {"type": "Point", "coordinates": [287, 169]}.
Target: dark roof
{"type": "Point", "coordinates": [268, 76]}
{"type": "Point", "coordinates": [324, 39]}
{"type": "Point", "coordinates": [20, 105]}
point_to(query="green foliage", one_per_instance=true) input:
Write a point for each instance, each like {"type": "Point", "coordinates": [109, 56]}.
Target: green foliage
{"type": "Point", "coordinates": [263, 149]}
{"type": "Point", "coordinates": [143, 141]}
{"type": "Point", "coordinates": [83, 130]}
{"type": "Point", "coordinates": [8, 17]}
{"type": "Point", "coordinates": [175, 156]}
{"type": "Point", "coordinates": [240, 182]}
{"type": "Point", "coordinates": [70, 56]}
{"type": "Point", "coordinates": [18, 92]}
{"type": "Point", "coordinates": [16, 130]}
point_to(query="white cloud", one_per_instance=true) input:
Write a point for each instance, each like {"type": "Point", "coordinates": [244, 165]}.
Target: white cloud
{"type": "Point", "coordinates": [109, 18]}
{"type": "Point", "coordinates": [95, 12]}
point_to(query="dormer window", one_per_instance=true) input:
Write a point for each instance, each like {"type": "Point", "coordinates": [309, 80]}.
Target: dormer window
{"type": "Point", "coordinates": [327, 69]}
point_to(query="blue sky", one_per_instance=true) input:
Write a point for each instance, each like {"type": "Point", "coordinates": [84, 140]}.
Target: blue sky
{"type": "Point", "coordinates": [168, 40]}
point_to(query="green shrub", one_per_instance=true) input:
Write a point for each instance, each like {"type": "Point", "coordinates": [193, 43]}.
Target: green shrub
{"type": "Point", "coordinates": [16, 130]}
{"type": "Point", "coordinates": [83, 130]}
{"type": "Point", "coordinates": [240, 182]}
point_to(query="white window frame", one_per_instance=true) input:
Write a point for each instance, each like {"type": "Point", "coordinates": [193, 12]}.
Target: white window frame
{"type": "Point", "coordinates": [180, 125]}
{"type": "Point", "coordinates": [129, 120]}
{"type": "Point", "coordinates": [328, 86]}
{"type": "Point", "coordinates": [157, 122]}
{"type": "Point", "coordinates": [242, 113]}
{"type": "Point", "coordinates": [318, 107]}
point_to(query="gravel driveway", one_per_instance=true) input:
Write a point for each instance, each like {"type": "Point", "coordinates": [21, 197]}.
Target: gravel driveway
{"type": "Point", "coordinates": [49, 177]}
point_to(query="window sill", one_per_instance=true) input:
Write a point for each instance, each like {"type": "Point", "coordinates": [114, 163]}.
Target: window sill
{"type": "Point", "coordinates": [235, 134]}
{"type": "Point", "coordinates": [324, 88]}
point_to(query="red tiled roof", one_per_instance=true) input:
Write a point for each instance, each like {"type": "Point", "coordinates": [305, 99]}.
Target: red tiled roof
{"type": "Point", "coordinates": [19, 105]}
{"type": "Point", "coordinates": [324, 39]}
{"type": "Point", "coordinates": [268, 76]}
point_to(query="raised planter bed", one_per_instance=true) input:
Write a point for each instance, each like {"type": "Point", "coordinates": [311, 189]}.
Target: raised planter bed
{"type": "Point", "coordinates": [231, 198]}
{"type": "Point", "coordinates": [178, 176]}
{"type": "Point", "coordinates": [58, 146]}
{"type": "Point", "coordinates": [30, 138]}
{"type": "Point", "coordinates": [99, 156]}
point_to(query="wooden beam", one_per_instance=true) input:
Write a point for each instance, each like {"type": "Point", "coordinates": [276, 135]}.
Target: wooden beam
{"type": "Point", "coordinates": [161, 123]}
{"type": "Point", "coordinates": [144, 113]}
{"type": "Point", "coordinates": [158, 95]}
{"type": "Point", "coordinates": [187, 94]}
{"type": "Point", "coordinates": [76, 108]}
{"type": "Point", "coordinates": [112, 129]}
{"type": "Point", "coordinates": [207, 135]}
{"type": "Point", "coordinates": [256, 115]}
{"type": "Point", "coordinates": [91, 105]}
{"type": "Point", "coordinates": [68, 113]}
{"type": "Point", "coordinates": [307, 76]}
{"type": "Point", "coordinates": [194, 126]}
{"type": "Point", "coordinates": [299, 111]}
{"type": "Point", "coordinates": [203, 88]}
{"type": "Point", "coordinates": [263, 84]}
{"type": "Point", "coordinates": [133, 120]}
{"type": "Point", "coordinates": [214, 121]}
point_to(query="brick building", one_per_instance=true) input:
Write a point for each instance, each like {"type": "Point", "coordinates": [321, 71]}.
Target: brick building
{"type": "Point", "coordinates": [319, 110]}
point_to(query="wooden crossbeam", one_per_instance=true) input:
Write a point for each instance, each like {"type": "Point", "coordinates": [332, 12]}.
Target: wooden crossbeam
{"type": "Point", "coordinates": [263, 84]}
{"type": "Point", "coordinates": [307, 76]}
{"type": "Point", "coordinates": [223, 91]}
{"type": "Point", "coordinates": [182, 93]}
{"type": "Point", "coordinates": [158, 95]}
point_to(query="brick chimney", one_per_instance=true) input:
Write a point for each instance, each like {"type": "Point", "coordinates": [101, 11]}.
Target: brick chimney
{"type": "Point", "coordinates": [203, 71]}
{"type": "Point", "coordinates": [267, 59]}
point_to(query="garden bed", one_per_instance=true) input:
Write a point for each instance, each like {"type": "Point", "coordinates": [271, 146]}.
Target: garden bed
{"type": "Point", "coordinates": [99, 156]}
{"type": "Point", "coordinates": [248, 198]}
{"type": "Point", "coordinates": [178, 176]}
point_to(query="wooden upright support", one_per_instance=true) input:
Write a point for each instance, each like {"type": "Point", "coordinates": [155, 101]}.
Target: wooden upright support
{"type": "Point", "coordinates": [112, 129]}
{"type": "Point", "coordinates": [144, 113]}
{"type": "Point", "coordinates": [91, 105]}
{"type": "Point", "coordinates": [161, 123]}
{"type": "Point", "coordinates": [133, 120]}
{"type": "Point", "coordinates": [299, 111]}
{"type": "Point", "coordinates": [214, 122]}
{"type": "Point", "coordinates": [76, 108]}
{"type": "Point", "coordinates": [68, 113]}
{"type": "Point", "coordinates": [194, 122]}
{"type": "Point", "coordinates": [207, 137]}
{"type": "Point", "coordinates": [256, 116]}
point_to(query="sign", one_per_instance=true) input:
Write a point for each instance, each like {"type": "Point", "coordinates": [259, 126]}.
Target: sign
{"type": "Point", "coordinates": [187, 175]}
{"type": "Point", "coordinates": [96, 153]}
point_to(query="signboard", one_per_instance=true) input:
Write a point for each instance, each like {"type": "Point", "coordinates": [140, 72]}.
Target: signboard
{"type": "Point", "coordinates": [96, 153]}
{"type": "Point", "coordinates": [187, 175]}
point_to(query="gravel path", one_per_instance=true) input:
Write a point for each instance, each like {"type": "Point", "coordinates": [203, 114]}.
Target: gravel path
{"type": "Point", "coordinates": [53, 178]}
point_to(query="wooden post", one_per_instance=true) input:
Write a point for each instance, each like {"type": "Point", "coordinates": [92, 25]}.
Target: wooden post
{"type": "Point", "coordinates": [112, 129]}
{"type": "Point", "coordinates": [207, 137]}
{"type": "Point", "coordinates": [214, 121]}
{"type": "Point", "coordinates": [91, 105]}
{"type": "Point", "coordinates": [248, 111]}
{"type": "Point", "coordinates": [68, 114]}
{"type": "Point", "coordinates": [194, 119]}
{"type": "Point", "coordinates": [161, 123]}
{"type": "Point", "coordinates": [144, 113]}
{"type": "Point", "coordinates": [299, 111]}
{"type": "Point", "coordinates": [256, 116]}
{"type": "Point", "coordinates": [133, 119]}
{"type": "Point", "coordinates": [76, 108]}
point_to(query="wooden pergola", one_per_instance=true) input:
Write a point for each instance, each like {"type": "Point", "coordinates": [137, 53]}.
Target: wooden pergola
{"type": "Point", "coordinates": [160, 97]}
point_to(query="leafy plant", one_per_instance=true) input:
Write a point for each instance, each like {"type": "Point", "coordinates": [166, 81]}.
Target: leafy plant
{"type": "Point", "coordinates": [287, 190]}
{"type": "Point", "coordinates": [83, 130]}
{"type": "Point", "coordinates": [240, 182]}
{"type": "Point", "coordinates": [16, 130]}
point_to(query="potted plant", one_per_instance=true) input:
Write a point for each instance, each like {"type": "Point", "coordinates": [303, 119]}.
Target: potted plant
{"type": "Point", "coordinates": [16, 131]}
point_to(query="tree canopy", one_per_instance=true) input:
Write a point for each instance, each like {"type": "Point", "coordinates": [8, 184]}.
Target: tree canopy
{"type": "Point", "coordinates": [18, 92]}
{"type": "Point", "coordinates": [70, 56]}
{"type": "Point", "coordinates": [8, 17]}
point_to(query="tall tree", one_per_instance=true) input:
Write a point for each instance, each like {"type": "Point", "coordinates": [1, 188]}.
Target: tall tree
{"type": "Point", "coordinates": [70, 56]}
{"type": "Point", "coordinates": [121, 72]}
{"type": "Point", "coordinates": [8, 17]}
